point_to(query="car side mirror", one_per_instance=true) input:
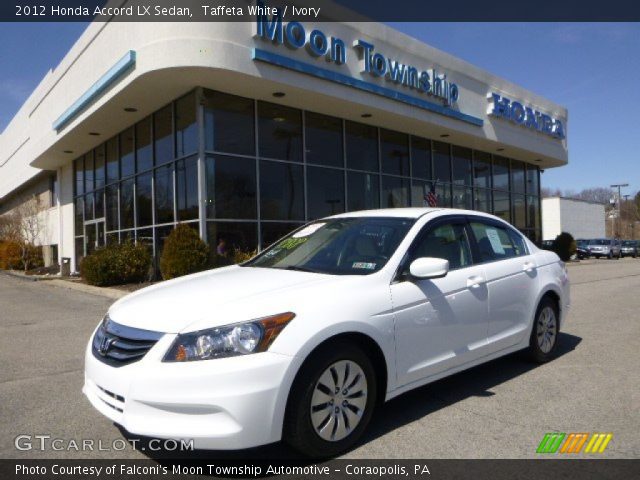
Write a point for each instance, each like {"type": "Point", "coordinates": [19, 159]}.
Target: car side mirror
{"type": "Point", "coordinates": [429, 267]}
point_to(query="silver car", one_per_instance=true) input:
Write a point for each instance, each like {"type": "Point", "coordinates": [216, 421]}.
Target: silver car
{"type": "Point", "coordinates": [629, 248]}
{"type": "Point", "coordinates": [605, 247]}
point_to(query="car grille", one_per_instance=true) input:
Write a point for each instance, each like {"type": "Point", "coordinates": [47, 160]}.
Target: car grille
{"type": "Point", "coordinates": [118, 345]}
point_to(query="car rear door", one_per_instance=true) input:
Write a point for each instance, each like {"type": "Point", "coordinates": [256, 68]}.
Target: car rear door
{"type": "Point", "coordinates": [512, 281]}
{"type": "Point", "coordinates": [440, 322]}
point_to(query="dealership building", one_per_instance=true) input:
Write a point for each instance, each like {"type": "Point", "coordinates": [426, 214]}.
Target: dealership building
{"type": "Point", "coordinates": [245, 131]}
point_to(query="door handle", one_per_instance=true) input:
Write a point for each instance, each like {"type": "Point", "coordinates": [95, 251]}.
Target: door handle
{"type": "Point", "coordinates": [475, 281]}
{"type": "Point", "coordinates": [528, 267]}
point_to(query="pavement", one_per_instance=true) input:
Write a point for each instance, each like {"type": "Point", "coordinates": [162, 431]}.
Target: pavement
{"type": "Point", "coordinates": [498, 410]}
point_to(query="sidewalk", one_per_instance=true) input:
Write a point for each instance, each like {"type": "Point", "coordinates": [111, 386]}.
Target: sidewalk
{"type": "Point", "coordinates": [69, 283]}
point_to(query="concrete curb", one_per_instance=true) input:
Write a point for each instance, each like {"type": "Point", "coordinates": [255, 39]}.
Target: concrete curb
{"type": "Point", "coordinates": [81, 287]}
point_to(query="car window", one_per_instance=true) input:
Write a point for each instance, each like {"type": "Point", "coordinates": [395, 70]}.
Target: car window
{"type": "Point", "coordinates": [344, 246]}
{"type": "Point", "coordinates": [448, 241]}
{"type": "Point", "coordinates": [495, 243]}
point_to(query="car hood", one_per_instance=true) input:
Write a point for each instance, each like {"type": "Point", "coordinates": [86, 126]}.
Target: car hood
{"type": "Point", "coordinates": [215, 297]}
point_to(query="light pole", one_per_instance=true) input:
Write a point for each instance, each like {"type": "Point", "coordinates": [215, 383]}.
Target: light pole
{"type": "Point", "coordinates": [619, 186]}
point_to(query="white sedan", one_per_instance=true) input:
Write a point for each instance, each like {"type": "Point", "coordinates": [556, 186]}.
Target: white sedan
{"type": "Point", "coordinates": [304, 340]}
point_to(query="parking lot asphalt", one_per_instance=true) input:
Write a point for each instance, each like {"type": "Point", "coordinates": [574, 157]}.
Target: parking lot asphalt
{"type": "Point", "coordinates": [498, 410]}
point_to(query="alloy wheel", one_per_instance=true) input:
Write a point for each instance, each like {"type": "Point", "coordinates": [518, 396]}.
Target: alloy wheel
{"type": "Point", "coordinates": [339, 400]}
{"type": "Point", "coordinates": [547, 329]}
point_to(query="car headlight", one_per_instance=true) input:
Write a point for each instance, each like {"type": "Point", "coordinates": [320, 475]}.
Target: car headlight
{"type": "Point", "coordinates": [229, 340]}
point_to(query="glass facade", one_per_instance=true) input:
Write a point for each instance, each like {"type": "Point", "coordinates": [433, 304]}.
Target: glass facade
{"type": "Point", "coordinates": [266, 168]}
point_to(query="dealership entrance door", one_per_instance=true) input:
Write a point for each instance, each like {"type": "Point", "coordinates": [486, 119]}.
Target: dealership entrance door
{"type": "Point", "coordinates": [94, 236]}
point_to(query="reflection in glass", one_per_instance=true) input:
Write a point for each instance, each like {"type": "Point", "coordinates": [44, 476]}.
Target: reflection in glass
{"type": "Point", "coordinates": [325, 192]}
{"type": "Point", "coordinates": [517, 177]}
{"type": "Point", "coordinates": [99, 177]}
{"type": "Point", "coordinates": [280, 132]}
{"type": "Point", "coordinates": [126, 204]}
{"type": "Point", "coordinates": [461, 162]}
{"type": "Point", "coordinates": [533, 180]}
{"type": "Point", "coordinates": [79, 173]}
{"type": "Point", "coordinates": [144, 152]}
{"type": "Point", "coordinates": [421, 158]}
{"type": "Point", "coordinates": [394, 148]}
{"type": "Point", "coordinates": [441, 162]}
{"type": "Point", "coordinates": [231, 187]}
{"type": "Point", "coordinates": [281, 191]}
{"type": "Point", "coordinates": [88, 207]}
{"type": "Point", "coordinates": [111, 210]}
{"type": "Point", "coordinates": [163, 189]}
{"type": "Point", "coordinates": [500, 173]}
{"type": "Point", "coordinates": [113, 164]}
{"type": "Point", "coordinates": [144, 204]}
{"type": "Point", "coordinates": [363, 191]}
{"type": "Point", "coordinates": [362, 146]}
{"type": "Point", "coordinates": [228, 123]}
{"type": "Point", "coordinates": [99, 206]}
{"type": "Point", "coordinates": [501, 205]}
{"type": "Point", "coordinates": [226, 237]}
{"type": "Point", "coordinates": [88, 172]}
{"type": "Point", "coordinates": [274, 231]}
{"type": "Point", "coordinates": [395, 192]}
{"type": "Point", "coordinates": [482, 169]}
{"type": "Point", "coordinates": [127, 157]}
{"type": "Point", "coordinates": [186, 126]}
{"type": "Point", "coordinates": [187, 188]}
{"type": "Point", "coordinates": [483, 200]}
{"type": "Point", "coordinates": [462, 198]}
{"type": "Point", "coordinates": [163, 137]}
{"type": "Point", "coordinates": [518, 211]}
{"type": "Point", "coordinates": [323, 140]}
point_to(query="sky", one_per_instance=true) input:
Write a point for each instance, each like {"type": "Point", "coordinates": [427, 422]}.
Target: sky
{"type": "Point", "coordinates": [593, 69]}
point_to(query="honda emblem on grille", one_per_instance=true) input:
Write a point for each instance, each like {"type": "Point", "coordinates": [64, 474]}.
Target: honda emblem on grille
{"type": "Point", "coordinates": [105, 345]}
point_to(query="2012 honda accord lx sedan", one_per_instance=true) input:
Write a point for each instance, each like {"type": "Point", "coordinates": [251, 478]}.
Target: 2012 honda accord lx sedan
{"type": "Point", "coordinates": [304, 340]}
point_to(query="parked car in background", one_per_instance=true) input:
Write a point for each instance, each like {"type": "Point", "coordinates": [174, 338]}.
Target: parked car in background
{"type": "Point", "coordinates": [582, 249]}
{"type": "Point", "coordinates": [547, 245]}
{"type": "Point", "coordinates": [304, 340]}
{"type": "Point", "coordinates": [605, 247]}
{"type": "Point", "coordinates": [629, 248]}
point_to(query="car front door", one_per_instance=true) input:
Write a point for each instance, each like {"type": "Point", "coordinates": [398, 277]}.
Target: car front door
{"type": "Point", "coordinates": [512, 280]}
{"type": "Point", "coordinates": [441, 322]}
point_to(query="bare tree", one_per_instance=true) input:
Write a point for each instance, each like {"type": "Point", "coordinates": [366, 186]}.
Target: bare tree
{"type": "Point", "coordinates": [26, 226]}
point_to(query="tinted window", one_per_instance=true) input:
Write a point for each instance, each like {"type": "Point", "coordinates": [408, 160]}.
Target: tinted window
{"type": "Point", "coordinates": [395, 192]}
{"type": "Point", "coordinates": [281, 191]}
{"type": "Point", "coordinates": [187, 188]}
{"type": "Point", "coordinates": [111, 198]}
{"type": "Point", "coordinates": [500, 173]}
{"type": "Point", "coordinates": [186, 126]}
{"type": "Point", "coordinates": [127, 157]}
{"type": "Point", "coordinates": [363, 191]}
{"type": "Point", "coordinates": [126, 204]}
{"type": "Point", "coordinates": [448, 241]}
{"type": "Point", "coordinates": [163, 183]}
{"type": "Point", "coordinates": [88, 172]}
{"type": "Point", "coordinates": [394, 147]}
{"type": "Point", "coordinates": [461, 160]}
{"type": "Point", "coordinates": [482, 169]}
{"type": "Point", "coordinates": [113, 167]}
{"type": "Point", "coordinates": [228, 123]}
{"type": "Point", "coordinates": [441, 162]}
{"type": "Point", "coordinates": [421, 157]}
{"type": "Point", "coordinates": [325, 192]}
{"type": "Point", "coordinates": [323, 140]}
{"type": "Point", "coordinates": [351, 246]}
{"type": "Point", "coordinates": [162, 131]}
{"type": "Point", "coordinates": [362, 146]}
{"type": "Point", "coordinates": [231, 187]}
{"type": "Point", "coordinates": [99, 166]}
{"type": "Point", "coordinates": [494, 243]}
{"type": "Point", "coordinates": [79, 170]}
{"type": "Point", "coordinates": [144, 157]}
{"type": "Point", "coordinates": [143, 199]}
{"type": "Point", "coordinates": [280, 132]}
{"type": "Point", "coordinates": [517, 176]}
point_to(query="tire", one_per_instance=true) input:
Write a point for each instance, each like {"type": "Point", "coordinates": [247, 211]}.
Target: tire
{"type": "Point", "coordinates": [301, 427]}
{"type": "Point", "coordinates": [539, 350]}
{"type": "Point", "coordinates": [609, 255]}
{"type": "Point", "coordinates": [619, 256]}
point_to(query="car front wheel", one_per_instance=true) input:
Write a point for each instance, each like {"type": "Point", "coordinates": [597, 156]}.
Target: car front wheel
{"type": "Point", "coordinates": [544, 334]}
{"type": "Point", "coordinates": [331, 401]}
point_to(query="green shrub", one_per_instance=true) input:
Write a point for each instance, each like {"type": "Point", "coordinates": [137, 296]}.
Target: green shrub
{"type": "Point", "coordinates": [564, 246]}
{"type": "Point", "coordinates": [116, 265]}
{"type": "Point", "coordinates": [184, 253]}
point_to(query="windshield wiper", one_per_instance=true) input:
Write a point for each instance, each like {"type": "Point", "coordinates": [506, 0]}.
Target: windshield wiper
{"type": "Point", "coordinates": [301, 269]}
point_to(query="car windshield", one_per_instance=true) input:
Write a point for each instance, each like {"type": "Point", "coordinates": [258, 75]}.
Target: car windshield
{"type": "Point", "coordinates": [600, 241]}
{"type": "Point", "coordinates": [629, 243]}
{"type": "Point", "coordinates": [343, 246]}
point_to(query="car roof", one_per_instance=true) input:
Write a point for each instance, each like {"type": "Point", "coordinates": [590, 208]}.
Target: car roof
{"type": "Point", "coordinates": [410, 213]}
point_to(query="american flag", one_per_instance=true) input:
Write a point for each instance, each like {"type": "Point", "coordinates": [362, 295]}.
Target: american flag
{"type": "Point", "coordinates": [431, 199]}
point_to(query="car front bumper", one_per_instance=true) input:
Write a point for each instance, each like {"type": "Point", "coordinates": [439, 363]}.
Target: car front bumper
{"type": "Point", "coordinates": [228, 403]}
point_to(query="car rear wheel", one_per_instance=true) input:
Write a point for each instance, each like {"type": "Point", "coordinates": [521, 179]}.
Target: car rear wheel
{"type": "Point", "coordinates": [331, 402]}
{"type": "Point", "coordinates": [544, 334]}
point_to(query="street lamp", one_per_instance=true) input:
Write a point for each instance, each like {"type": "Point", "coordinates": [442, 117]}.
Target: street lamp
{"type": "Point", "coordinates": [619, 186]}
